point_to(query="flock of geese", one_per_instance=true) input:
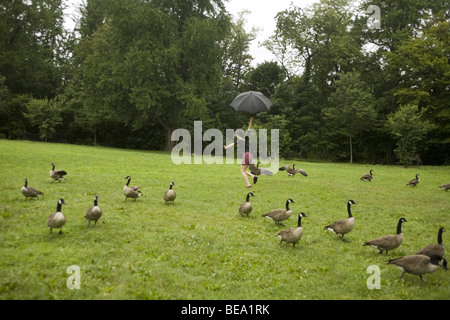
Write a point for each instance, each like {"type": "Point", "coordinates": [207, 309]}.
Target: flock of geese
{"type": "Point", "coordinates": [426, 260]}
{"type": "Point", "coordinates": [57, 219]}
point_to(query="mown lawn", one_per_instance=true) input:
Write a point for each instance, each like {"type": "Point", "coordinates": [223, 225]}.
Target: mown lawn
{"type": "Point", "coordinates": [200, 247]}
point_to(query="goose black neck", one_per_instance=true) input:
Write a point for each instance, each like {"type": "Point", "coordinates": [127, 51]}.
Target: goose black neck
{"type": "Point", "coordinates": [95, 202]}
{"type": "Point", "coordinates": [53, 167]}
{"type": "Point", "coordinates": [128, 182]}
{"type": "Point", "coordinates": [26, 183]}
{"type": "Point", "coordinates": [299, 221]}
{"type": "Point", "coordinates": [170, 186]}
{"type": "Point", "coordinates": [349, 205]}
{"type": "Point", "coordinates": [434, 259]}
{"type": "Point", "coordinates": [248, 197]}
{"type": "Point", "coordinates": [287, 205]}
{"type": "Point", "coordinates": [58, 207]}
{"type": "Point", "coordinates": [399, 226]}
{"type": "Point", "coordinates": [440, 236]}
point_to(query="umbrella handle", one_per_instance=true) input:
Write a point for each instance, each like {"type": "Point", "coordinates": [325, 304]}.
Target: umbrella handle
{"type": "Point", "coordinates": [250, 123]}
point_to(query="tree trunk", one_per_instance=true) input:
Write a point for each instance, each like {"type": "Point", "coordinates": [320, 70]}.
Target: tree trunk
{"type": "Point", "coordinates": [169, 143]}
{"type": "Point", "coordinates": [351, 150]}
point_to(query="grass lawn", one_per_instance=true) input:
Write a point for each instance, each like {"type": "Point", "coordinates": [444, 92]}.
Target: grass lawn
{"type": "Point", "coordinates": [200, 247]}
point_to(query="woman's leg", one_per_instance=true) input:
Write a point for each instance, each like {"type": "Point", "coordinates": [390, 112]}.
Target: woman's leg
{"type": "Point", "coordinates": [245, 173]}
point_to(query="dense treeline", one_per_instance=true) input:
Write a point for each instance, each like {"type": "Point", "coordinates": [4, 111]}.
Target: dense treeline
{"type": "Point", "coordinates": [350, 84]}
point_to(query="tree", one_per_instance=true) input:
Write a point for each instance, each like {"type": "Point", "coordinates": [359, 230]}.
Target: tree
{"type": "Point", "coordinates": [421, 67]}
{"type": "Point", "coordinates": [408, 129]}
{"type": "Point", "coordinates": [322, 37]}
{"type": "Point", "coordinates": [155, 62]}
{"type": "Point", "coordinates": [44, 114]}
{"type": "Point", "coordinates": [30, 38]}
{"type": "Point", "coordinates": [236, 46]}
{"type": "Point", "coordinates": [264, 78]}
{"type": "Point", "coordinates": [351, 108]}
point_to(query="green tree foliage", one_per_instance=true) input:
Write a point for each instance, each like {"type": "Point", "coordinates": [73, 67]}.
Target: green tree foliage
{"type": "Point", "coordinates": [154, 63]}
{"type": "Point", "coordinates": [421, 67]}
{"type": "Point", "coordinates": [408, 129]}
{"type": "Point", "coordinates": [30, 38]}
{"type": "Point", "coordinates": [45, 115]}
{"type": "Point", "coordinates": [236, 46]}
{"type": "Point", "coordinates": [351, 108]}
{"type": "Point", "coordinates": [265, 78]}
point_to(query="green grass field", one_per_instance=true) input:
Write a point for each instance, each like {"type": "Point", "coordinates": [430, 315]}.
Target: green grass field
{"type": "Point", "coordinates": [200, 247]}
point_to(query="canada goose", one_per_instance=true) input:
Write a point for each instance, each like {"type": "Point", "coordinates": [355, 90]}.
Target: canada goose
{"type": "Point", "coordinates": [292, 171]}
{"type": "Point", "coordinates": [57, 175]}
{"type": "Point", "coordinates": [246, 207]}
{"type": "Point", "coordinates": [93, 213]}
{"type": "Point", "coordinates": [30, 192]}
{"type": "Point", "coordinates": [414, 182]}
{"type": "Point", "coordinates": [389, 242]}
{"type": "Point", "coordinates": [170, 195]}
{"type": "Point", "coordinates": [58, 219]}
{"type": "Point", "coordinates": [257, 171]}
{"type": "Point", "coordinates": [278, 215]}
{"type": "Point", "coordinates": [293, 235]}
{"type": "Point", "coordinates": [343, 226]}
{"type": "Point", "coordinates": [419, 264]}
{"type": "Point", "coordinates": [367, 176]}
{"type": "Point", "coordinates": [436, 248]}
{"type": "Point", "coordinates": [445, 186]}
{"type": "Point", "coordinates": [131, 192]}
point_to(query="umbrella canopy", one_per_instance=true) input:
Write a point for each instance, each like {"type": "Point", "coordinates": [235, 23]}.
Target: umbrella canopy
{"type": "Point", "coordinates": [251, 102]}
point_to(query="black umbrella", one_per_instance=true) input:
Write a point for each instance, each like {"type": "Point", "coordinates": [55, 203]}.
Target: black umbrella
{"type": "Point", "coordinates": [251, 102]}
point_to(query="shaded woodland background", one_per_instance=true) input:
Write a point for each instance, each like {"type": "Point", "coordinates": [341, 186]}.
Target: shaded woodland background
{"type": "Point", "coordinates": [134, 70]}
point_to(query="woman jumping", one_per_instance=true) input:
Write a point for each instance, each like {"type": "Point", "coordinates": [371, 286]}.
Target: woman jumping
{"type": "Point", "coordinates": [247, 157]}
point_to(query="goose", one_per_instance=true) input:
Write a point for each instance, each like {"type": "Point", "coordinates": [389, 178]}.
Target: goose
{"type": "Point", "coordinates": [367, 176]}
{"type": "Point", "coordinates": [57, 175]}
{"type": "Point", "coordinates": [343, 226]}
{"type": "Point", "coordinates": [93, 213]}
{"type": "Point", "coordinates": [389, 242]}
{"type": "Point", "coordinates": [445, 186]}
{"type": "Point", "coordinates": [278, 215]}
{"type": "Point", "coordinates": [293, 235]}
{"type": "Point", "coordinates": [436, 248]}
{"type": "Point", "coordinates": [292, 171]}
{"type": "Point", "coordinates": [30, 192]}
{"type": "Point", "coordinates": [170, 195]}
{"type": "Point", "coordinates": [419, 264]}
{"type": "Point", "coordinates": [257, 171]}
{"type": "Point", "coordinates": [58, 219]}
{"type": "Point", "coordinates": [414, 182]}
{"type": "Point", "coordinates": [246, 207]}
{"type": "Point", "coordinates": [131, 192]}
